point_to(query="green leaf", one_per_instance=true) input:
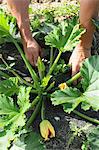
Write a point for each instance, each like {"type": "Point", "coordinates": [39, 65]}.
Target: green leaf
{"type": "Point", "coordinates": [74, 37]}
{"type": "Point", "coordinates": [8, 136]}
{"type": "Point", "coordinates": [5, 140]}
{"type": "Point", "coordinates": [90, 81]}
{"type": "Point", "coordinates": [32, 141]}
{"type": "Point", "coordinates": [23, 98]}
{"type": "Point", "coordinates": [35, 23]}
{"type": "Point", "coordinates": [9, 86]}
{"type": "Point", "coordinates": [72, 97]}
{"type": "Point", "coordinates": [65, 36]}
{"type": "Point", "coordinates": [4, 26]}
{"type": "Point", "coordinates": [7, 106]}
{"type": "Point", "coordinates": [23, 140]}
{"type": "Point", "coordinates": [90, 73]}
{"type": "Point", "coordinates": [66, 95]}
{"type": "Point", "coordinates": [7, 28]}
{"type": "Point", "coordinates": [93, 139]}
{"type": "Point", "coordinates": [12, 114]}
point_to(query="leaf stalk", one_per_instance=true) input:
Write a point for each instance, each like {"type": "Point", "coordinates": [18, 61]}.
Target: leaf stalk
{"type": "Point", "coordinates": [55, 63]}
{"type": "Point", "coordinates": [75, 77]}
{"type": "Point", "coordinates": [86, 117]}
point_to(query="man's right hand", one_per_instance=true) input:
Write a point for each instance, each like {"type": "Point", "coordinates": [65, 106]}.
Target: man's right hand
{"type": "Point", "coordinates": [32, 51]}
{"type": "Point", "coordinates": [77, 58]}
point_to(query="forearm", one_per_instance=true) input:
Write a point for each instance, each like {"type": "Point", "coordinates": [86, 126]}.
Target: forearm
{"type": "Point", "coordinates": [19, 9]}
{"type": "Point", "coordinates": [88, 10]}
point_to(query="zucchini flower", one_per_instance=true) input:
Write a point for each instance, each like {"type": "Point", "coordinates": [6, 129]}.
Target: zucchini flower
{"type": "Point", "coordinates": [47, 130]}
{"type": "Point", "coordinates": [63, 86]}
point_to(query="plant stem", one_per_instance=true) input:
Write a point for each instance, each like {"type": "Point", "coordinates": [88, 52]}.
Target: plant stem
{"type": "Point", "coordinates": [34, 114]}
{"type": "Point", "coordinates": [75, 77]}
{"type": "Point", "coordinates": [32, 72]}
{"type": "Point", "coordinates": [43, 111]}
{"type": "Point", "coordinates": [34, 91]}
{"type": "Point", "coordinates": [35, 101]}
{"type": "Point", "coordinates": [51, 57]}
{"type": "Point", "coordinates": [86, 117]}
{"type": "Point", "coordinates": [50, 86]}
{"type": "Point", "coordinates": [55, 63]}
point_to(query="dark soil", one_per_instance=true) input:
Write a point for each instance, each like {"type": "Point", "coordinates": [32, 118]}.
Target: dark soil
{"type": "Point", "coordinates": [61, 122]}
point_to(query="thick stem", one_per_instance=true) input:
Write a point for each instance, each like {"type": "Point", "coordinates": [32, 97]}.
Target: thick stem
{"type": "Point", "coordinates": [51, 57]}
{"type": "Point", "coordinates": [43, 111]}
{"type": "Point", "coordinates": [55, 63]}
{"type": "Point", "coordinates": [34, 114]}
{"type": "Point", "coordinates": [35, 101]}
{"type": "Point", "coordinates": [34, 91]}
{"type": "Point", "coordinates": [32, 72]}
{"type": "Point", "coordinates": [50, 86]}
{"type": "Point", "coordinates": [75, 77]}
{"type": "Point", "coordinates": [86, 117]}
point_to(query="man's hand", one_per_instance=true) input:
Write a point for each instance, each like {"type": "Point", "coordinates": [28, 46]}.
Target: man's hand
{"type": "Point", "coordinates": [32, 51]}
{"type": "Point", "coordinates": [77, 58]}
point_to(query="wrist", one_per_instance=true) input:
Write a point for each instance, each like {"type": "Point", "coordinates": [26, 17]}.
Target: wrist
{"type": "Point", "coordinates": [30, 41]}
{"type": "Point", "coordinates": [82, 48]}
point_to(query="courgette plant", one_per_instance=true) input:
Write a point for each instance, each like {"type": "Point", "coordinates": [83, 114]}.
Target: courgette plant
{"type": "Point", "coordinates": [88, 94]}
{"type": "Point", "coordinates": [15, 91]}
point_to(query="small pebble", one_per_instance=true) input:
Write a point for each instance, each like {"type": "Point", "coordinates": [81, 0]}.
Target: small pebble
{"type": "Point", "coordinates": [57, 118]}
{"type": "Point", "coordinates": [10, 58]}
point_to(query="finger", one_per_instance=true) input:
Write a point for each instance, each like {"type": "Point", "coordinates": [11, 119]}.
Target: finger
{"type": "Point", "coordinates": [75, 69]}
{"type": "Point", "coordinates": [30, 59]}
{"type": "Point", "coordinates": [35, 58]}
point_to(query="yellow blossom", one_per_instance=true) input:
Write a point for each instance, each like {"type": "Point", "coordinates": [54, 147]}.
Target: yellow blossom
{"type": "Point", "coordinates": [63, 86]}
{"type": "Point", "coordinates": [47, 130]}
